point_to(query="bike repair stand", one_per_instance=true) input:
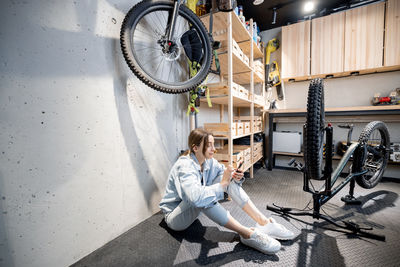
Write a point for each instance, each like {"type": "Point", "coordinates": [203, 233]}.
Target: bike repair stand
{"type": "Point", "coordinates": [321, 197]}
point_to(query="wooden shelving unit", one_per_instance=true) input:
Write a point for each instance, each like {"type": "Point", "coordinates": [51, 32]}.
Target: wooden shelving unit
{"type": "Point", "coordinates": [236, 58]}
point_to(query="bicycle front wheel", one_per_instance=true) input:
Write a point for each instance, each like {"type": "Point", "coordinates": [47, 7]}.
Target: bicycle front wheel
{"type": "Point", "coordinates": [375, 141]}
{"type": "Point", "coordinates": [314, 130]}
{"type": "Point", "coordinates": [160, 63]}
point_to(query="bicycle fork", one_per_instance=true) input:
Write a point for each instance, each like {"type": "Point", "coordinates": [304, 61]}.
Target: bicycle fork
{"type": "Point", "coordinates": [172, 22]}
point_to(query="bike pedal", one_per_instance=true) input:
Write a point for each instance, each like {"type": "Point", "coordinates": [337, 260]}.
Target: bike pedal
{"type": "Point", "coordinates": [350, 200]}
{"type": "Point", "coordinates": [296, 164]}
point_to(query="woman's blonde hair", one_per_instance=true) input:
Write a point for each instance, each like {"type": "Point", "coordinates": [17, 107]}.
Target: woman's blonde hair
{"type": "Point", "coordinates": [195, 138]}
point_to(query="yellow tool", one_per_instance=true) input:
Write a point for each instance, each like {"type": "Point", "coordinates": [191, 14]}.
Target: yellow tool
{"type": "Point", "coordinates": [272, 77]}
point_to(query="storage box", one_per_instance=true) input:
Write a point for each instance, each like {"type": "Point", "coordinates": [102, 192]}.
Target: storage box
{"type": "Point", "coordinates": [218, 90]}
{"type": "Point", "coordinates": [257, 151]}
{"type": "Point", "coordinates": [219, 129]}
{"type": "Point", "coordinates": [287, 141]}
{"type": "Point", "coordinates": [257, 147]}
{"type": "Point", "coordinates": [243, 92]}
{"type": "Point", "coordinates": [239, 128]}
{"type": "Point", "coordinates": [222, 155]}
{"type": "Point", "coordinates": [240, 153]}
{"type": "Point", "coordinates": [257, 123]}
{"type": "Point", "coordinates": [246, 127]}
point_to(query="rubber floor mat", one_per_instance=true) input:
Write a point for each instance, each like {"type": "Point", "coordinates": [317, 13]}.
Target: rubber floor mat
{"type": "Point", "coordinates": [204, 243]}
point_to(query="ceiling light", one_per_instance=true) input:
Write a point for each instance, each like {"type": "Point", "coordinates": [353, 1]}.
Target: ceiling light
{"type": "Point", "coordinates": [258, 2]}
{"type": "Point", "coordinates": [309, 6]}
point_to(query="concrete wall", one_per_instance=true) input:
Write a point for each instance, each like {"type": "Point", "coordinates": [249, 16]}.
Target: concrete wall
{"type": "Point", "coordinates": [339, 92]}
{"type": "Point", "coordinates": [85, 147]}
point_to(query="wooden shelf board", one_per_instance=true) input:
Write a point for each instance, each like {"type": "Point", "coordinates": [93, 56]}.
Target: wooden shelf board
{"type": "Point", "coordinates": [241, 71]}
{"type": "Point", "coordinates": [245, 46]}
{"type": "Point", "coordinates": [223, 100]}
{"type": "Point", "coordinates": [220, 20]}
{"type": "Point", "coordinates": [342, 74]}
{"type": "Point", "coordinates": [339, 109]}
{"type": "Point", "coordinates": [343, 119]}
{"type": "Point", "coordinates": [335, 157]}
{"type": "Point", "coordinates": [233, 137]}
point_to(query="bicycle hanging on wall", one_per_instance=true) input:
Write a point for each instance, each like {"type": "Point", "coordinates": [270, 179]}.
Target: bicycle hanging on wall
{"type": "Point", "coordinates": [369, 159]}
{"type": "Point", "coordinates": [167, 46]}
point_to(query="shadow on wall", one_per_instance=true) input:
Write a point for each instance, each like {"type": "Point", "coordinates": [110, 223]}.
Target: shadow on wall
{"type": "Point", "coordinates": [5, 249]}
{"type": "Point", "coordinates": [129, 131]}
{"type": "Point", "coordinates": [143, 113]}
{"type": "Point", "coordinates": [145, 117]}
{"type": "Point", "coordinates": [54, 77]}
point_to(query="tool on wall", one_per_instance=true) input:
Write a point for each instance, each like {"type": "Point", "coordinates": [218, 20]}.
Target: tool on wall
{"type": "Point", "coordinates": [272, 76]}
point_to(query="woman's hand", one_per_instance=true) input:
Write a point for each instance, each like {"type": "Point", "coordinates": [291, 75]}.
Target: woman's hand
{"type": "Point", "coordinates": [237, 175]}
{"type": "Point", "coordinates": [227, 176]}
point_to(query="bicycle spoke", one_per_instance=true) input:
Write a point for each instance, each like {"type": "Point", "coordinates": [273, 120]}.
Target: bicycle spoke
{"type": "Point", "coordinates": [161, 26]}
{"type": "Point", "coordinates": [170, 69]}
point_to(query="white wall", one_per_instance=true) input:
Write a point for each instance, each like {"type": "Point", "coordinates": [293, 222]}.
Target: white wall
{"type": "Point", "coordinates": [85, 147]}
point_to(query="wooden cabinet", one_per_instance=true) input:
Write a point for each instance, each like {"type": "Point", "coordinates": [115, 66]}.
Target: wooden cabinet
{"type": "Point", "coordinates": [364, 30]}
{"type": "Point", "coordinates": [364, 40]}
{"type": "Point", "coordinates": [327, 47]}
{"type": "Point", "coordinates": [235, 89]}
{"type": "Point", "coordinates": [296, 50]}
{"type": "Point", "coordinates": [392, 33]}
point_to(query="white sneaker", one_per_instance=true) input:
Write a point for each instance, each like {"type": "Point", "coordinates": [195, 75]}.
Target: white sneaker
{"type": "Point", "coordinates": [275, 230]}
{"type": "Point", "coordinates": [262, 242]}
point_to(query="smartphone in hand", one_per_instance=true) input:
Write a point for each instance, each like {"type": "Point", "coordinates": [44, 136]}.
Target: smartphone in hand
{"type": "Point", "coordinates": [238, 168]}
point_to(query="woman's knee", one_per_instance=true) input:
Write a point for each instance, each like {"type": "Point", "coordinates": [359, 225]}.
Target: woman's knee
{"type": "Point", "coordinates": [217, 214]}
{"type": "Point", "coordinates": [238, 194]}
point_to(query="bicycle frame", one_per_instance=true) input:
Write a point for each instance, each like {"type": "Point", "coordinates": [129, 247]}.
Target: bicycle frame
{"type": "Point", "coordinates": [320, 198]}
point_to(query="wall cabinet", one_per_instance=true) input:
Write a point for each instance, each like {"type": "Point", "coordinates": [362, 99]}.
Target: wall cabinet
{"type": "Point", "coordinates": [296, 50]}
{"type": "Point", "coordinates": [327, 47]}
{"type": "Point", "coordinates": [392, 33]}
{"type": "Point", "coordinates": [364, 29]}
{"type": "Point", "coordinates": [361, 40]}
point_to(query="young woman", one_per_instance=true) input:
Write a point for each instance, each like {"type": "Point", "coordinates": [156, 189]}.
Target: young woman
{"type": "Point", "coordinates": [197, 182]}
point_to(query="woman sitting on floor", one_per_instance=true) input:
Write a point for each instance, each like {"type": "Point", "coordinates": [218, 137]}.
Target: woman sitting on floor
{"type": "Point", "coordinates": [197, 182]}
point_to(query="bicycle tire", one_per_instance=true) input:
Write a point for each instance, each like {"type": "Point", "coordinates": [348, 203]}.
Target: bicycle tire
{"type": "Point", "coordinates": [132, 51]}
{"type": "Point", "coordinates": [375, 156]}
{"type": "Point", "coordinates": [314, 130]}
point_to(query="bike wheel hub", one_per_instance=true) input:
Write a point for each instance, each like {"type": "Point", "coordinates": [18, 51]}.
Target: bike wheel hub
{"type": "Point", "coordinates": [170, 50]}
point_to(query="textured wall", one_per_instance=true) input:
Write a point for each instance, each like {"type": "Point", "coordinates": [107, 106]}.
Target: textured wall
{"type": "Point", "coordinates": [85, 147]}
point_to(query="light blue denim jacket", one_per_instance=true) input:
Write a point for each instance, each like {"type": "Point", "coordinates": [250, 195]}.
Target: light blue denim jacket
{"type": "Point", "coordinates": [187, 183]}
